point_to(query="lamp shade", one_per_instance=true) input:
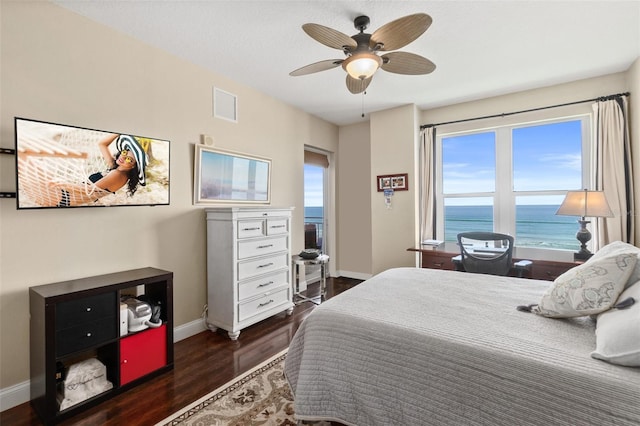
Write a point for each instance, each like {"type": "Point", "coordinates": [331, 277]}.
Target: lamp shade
{"type": "Point", "coordinates": [586, 204]}
{"type": "Point", "coordinates": [362, 65]}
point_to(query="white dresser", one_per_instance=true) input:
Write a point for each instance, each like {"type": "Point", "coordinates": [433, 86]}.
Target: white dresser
{"type": "Point", "coordinates": [248, 261]}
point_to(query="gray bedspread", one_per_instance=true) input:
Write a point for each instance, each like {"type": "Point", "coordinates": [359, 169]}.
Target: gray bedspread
{"type": "Point", "coordinates": [428, 347]}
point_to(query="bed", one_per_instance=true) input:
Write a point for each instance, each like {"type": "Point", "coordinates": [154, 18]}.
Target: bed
{"type": "Point", "coordinates": [431, 347]}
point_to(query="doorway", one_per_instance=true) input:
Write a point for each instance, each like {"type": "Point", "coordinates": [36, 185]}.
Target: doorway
{"type": "Point", "coordinates": [316, 165]}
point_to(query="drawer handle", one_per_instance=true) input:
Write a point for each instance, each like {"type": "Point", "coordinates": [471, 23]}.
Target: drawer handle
{"type": "Point", "coordinates": [265, 214]}
{"type": "Point", "coordinates": [438, 264]}
{"type": "Point", "coordinates": [265, 246]}
{"type": "Point", "coordinates": [265, 303]}
{"type": "Point", "coordinates": [278, 226]}
{"type": "Point", "coordinates": [265, 284]}
{"type": "Point", "coordinates": [265, 265]}
{"type": "Point", "coordinates": [251, 229]}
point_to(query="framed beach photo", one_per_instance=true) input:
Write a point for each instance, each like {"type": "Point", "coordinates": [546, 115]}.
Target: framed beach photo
{"type": "Point", "coordinates": [397, 182]}
{"type": "Point", "coordinates": [222, 176]}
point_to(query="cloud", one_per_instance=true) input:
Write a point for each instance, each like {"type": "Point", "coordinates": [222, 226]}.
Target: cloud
{"type": "Point", "coordinates": [569, 160]}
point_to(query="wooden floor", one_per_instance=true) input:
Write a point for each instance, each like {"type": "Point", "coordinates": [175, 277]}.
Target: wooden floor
{"type": "Point", "coordinates": [202, 363]}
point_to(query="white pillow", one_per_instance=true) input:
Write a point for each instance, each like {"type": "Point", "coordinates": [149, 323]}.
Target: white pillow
{"type": "Point", "coordinates": [619, 247]}
{"type": "Point", "coordinates": [588, 289]}
{"type": "Point", "coordinates": [618, 332]}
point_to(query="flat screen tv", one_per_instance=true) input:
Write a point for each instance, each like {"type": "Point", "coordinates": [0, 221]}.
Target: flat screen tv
{"type": "Point", "coordinates": [62, 166]}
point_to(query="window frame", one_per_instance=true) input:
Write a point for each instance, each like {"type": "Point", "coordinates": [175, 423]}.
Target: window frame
{"type": "Point", "coordinates": [504, 197]}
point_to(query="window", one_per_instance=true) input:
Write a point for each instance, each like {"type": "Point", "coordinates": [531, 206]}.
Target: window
{"type": "Point", "coordinates": [512, 179]}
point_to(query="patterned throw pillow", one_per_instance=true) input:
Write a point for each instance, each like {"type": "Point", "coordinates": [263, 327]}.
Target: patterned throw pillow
{"type": "Point", "coordinates": [618, 331]}
{"type": "Point", "coordinates": [588, 289]}
{"type": "Point", "coordinates": [619, 247]}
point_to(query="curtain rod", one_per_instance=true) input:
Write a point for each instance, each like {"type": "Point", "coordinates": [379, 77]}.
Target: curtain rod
{"type": "Point", "coordinates": [505, 114]}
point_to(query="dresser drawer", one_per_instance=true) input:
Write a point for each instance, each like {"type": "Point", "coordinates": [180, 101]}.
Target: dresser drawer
{"type": "Point", "coordinates": [264, 214]}
{"type": "Point", "coordinates": [437, 261]}
{"type": "Point", "coordinates": [251, 248]}
{"type": "Point", "coordinates": [261, 285]}
{"type": "Point", "coordinates": [277, 226]}
{"type": "Point", "coordinates": [263, 265]}
{"type": "Point", "coordinates": [250, 228]}
{"type": "Point", "coordinates": [87, 309]}
{"type": "Point", "coordinates": [261, 304]}
{"type": "Point", "coordinates": [544, 270]}
{"type": "Point", "coordinates": [86, 335]}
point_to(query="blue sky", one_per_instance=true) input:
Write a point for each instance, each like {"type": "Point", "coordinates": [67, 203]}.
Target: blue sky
{"type": "Point", "coordinates": [545, 157]}
{"type": "Point", "coordinates": [469, 164]}
{"type": "Point", "coordinates": [313, 181]}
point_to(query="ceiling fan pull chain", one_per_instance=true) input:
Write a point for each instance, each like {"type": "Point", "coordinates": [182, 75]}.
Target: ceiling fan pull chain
{"type": "Point", "coordinates": [363, 93]}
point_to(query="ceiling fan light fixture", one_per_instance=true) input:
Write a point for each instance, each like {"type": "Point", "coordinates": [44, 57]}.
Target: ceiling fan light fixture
{"type": "Point", "coordinates": [362, 65]}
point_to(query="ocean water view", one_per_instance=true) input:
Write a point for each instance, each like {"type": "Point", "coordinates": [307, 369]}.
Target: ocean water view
{"type": "Point", "coordinates": [537, 226]}
{"type": "Point", "coordinates": [313, 214]}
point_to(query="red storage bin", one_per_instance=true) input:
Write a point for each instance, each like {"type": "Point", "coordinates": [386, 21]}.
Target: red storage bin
{"type": "Point", "coordinates": [142, 353]}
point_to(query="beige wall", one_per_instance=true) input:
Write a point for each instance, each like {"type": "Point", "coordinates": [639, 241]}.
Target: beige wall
{"type": "Point", "coordinates": [354, 200]}
{"type": "Point", "coordinates": [374, 238]}
{"type": "Point", "coordinates": [393, 140]}
{"type": "Point", "coordinates": [552, 95]}
{"type": "Point", "coordinates": [57, 66]}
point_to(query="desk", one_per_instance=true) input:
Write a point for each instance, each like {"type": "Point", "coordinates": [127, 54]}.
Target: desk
{"type": "Point", "coordinates": [439, 257]}
{"type": "Point", "coordinates": [297, 261]}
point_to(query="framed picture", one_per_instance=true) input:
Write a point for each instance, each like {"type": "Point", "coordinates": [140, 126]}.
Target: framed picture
{"type": "Point", "coordinates": [222, 176]}
{"type": "Point", "coordinates": [398, 182]}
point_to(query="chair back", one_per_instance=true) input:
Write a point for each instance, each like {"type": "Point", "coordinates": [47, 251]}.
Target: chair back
{"type": "Point", "coordinates": [486, 252]}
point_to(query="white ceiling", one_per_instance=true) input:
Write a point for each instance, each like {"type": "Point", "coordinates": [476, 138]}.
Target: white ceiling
{"type": "Point", "coordinates": [480, 48]}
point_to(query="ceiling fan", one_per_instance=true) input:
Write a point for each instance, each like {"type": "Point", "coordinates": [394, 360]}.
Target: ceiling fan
{"type": "Point", "coordinates": [361, 50]}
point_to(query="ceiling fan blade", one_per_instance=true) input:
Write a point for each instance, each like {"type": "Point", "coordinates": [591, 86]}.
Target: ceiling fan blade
{"type": "Point", "coordinates": [356, 85]}
{"type": "Point", "coordinates": [402, 31]}
{"type": "Point", "coordinates": [317, 67]}
{"type": "Point", "coordinates": [406, 63]}
{"type": "Point", "coordinates": [329, 36]}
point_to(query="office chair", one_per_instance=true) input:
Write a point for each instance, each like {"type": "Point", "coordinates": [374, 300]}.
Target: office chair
{"type": "Point", "coordinates": [487, 253]}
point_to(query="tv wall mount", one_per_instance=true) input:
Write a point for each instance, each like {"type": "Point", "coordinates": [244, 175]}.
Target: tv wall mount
{"type": "Point", "coordinates": [7, 151]}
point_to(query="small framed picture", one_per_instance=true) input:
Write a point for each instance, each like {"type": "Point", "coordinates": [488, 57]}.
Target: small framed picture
{"type": "Point", "coordinates": [397, 182]}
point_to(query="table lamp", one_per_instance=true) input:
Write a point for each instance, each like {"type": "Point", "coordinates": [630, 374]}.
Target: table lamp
{"type": "Point", "coordinates": [585, 204]}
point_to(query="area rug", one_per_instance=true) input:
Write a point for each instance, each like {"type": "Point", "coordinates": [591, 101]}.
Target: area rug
{"type": "Point", "coordinates": [259, 397]}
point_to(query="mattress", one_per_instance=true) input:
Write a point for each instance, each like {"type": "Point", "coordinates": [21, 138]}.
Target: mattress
{"type": "Point", "coordinates": [429, 347]}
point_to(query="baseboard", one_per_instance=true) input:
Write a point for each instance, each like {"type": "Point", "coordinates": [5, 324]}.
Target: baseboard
{"type": "Point", "coordinates": [14, 395]}
{"type": "Point", "coordinates": [356, 275]}
{"type": "Point", "coordinates": [189, 329]}
{"type": "Point", "coordinates": [19, 394]}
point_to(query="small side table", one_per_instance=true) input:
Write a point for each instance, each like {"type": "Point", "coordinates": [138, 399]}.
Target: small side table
{"type": "Point", "coordinates": [323, 261]}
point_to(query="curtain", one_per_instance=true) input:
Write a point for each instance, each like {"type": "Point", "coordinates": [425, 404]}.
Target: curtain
{"type": "Point", "coordinates": [613, 171]}
{"type": "Point", "coordinates": [427, 184]}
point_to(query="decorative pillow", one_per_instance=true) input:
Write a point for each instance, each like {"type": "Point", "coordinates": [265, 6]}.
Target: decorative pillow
{"type": "Point", "coordinates": [618, 332]}
{"type": "Point", "coordinates": [619, 247]}
{"type": "Point", "coordinates": [588, 289]}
